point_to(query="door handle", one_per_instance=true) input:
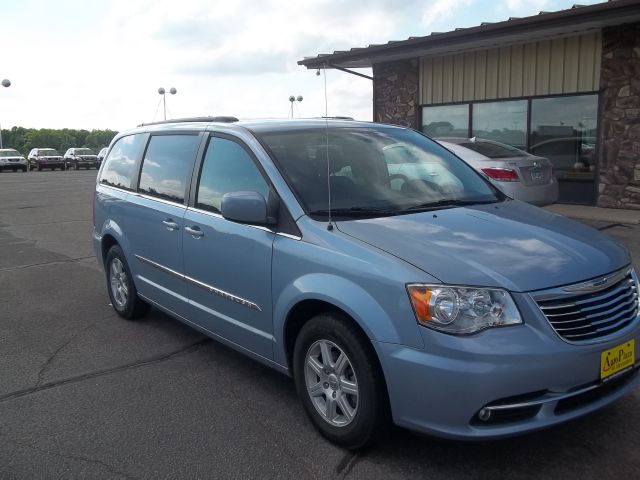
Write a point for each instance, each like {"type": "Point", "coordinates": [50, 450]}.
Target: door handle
{"type": "Point", "coordinates": [170, 224]}
{"type": "Point", "coordinates": [195, 232]}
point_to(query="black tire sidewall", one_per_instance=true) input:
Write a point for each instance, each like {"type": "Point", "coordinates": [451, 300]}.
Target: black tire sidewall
{"type": "Point", "coordinates": [370, 417]}
{"type": "Point", "coordinates": [128, 309]}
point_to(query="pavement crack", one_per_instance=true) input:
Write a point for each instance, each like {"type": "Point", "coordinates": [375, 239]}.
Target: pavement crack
{"type": "Point", "coordinates": [107, 371]}
{"type": "Point", "coordinates": [613, 225]}
{"type": "Point", "coordinates": [44, 264]}
{"type": "Point", "coordinates": [76, 457]}
{"type": "Point", "coordinates": [52, 357]}
{"type": "Point", "coordinates": [346, 464]}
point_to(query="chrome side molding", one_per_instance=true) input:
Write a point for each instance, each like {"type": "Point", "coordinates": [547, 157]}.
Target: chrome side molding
{"type": "Point", "coordinates": [210, 288]}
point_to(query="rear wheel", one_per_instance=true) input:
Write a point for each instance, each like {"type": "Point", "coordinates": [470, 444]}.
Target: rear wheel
{"type": "Point", "coordinates": [339, 381]}
{"type": "Point", "coordinates": [122, 291]}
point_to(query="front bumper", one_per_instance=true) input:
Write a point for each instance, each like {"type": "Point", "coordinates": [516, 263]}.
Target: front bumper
{"type": "Point", "coordinates": [528, 377]}
{"type": "Point", "coordinates": [50, 163]}
{"type": "Point", "coordinates": [13, 165]}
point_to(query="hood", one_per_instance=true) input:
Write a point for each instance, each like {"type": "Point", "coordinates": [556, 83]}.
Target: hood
{"type": "Point", "coordinates": [511, 245]}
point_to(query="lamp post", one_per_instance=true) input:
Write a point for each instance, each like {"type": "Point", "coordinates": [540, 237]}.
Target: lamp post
{"type": "Point", "coordinates": [5, 83]}
{"type": "Point", "coordinates": [293, 99]}
{"type": "Point", "coordinates": [162, 92]}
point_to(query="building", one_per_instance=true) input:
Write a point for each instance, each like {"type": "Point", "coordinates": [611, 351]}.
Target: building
{"type": "Point", "coordinates": [564, 85]}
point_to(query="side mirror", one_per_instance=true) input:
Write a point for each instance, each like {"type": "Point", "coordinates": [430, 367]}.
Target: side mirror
{"type": "Point", "coordinates": [246, 207]}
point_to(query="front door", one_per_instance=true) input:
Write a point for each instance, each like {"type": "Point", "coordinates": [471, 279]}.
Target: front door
{"type": "Point", "coordinates": [227, 264]}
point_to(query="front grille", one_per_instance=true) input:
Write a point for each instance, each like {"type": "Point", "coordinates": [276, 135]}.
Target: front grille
{"type": "Point", "coordinates": [580, 317]}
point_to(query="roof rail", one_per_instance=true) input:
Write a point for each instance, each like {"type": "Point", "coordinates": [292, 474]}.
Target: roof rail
{"type": "Point", "coordinates": [336, 118]}
{"type": "Point", "coordinates": [221, 119]}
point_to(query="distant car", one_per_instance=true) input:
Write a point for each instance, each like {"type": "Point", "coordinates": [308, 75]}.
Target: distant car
{"type": "Point", "coordinates": [11, 159]}
{"type": "Point", "coordinates": [571, 156]}
{"type": "Point", "coordinates": [515, 172]}
{"type": "Point", "coordinates": [80, 157]}
{"type": "Point", "coordinates": [45, 158]}
{"type": "Point", "coordinates": [101, 154]}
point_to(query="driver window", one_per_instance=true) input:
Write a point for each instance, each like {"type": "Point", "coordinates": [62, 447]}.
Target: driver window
{"type": "Point", "coordinates": [227, 167]}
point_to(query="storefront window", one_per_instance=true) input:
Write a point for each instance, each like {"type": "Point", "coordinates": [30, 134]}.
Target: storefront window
{"type": "Point", "coordinates": [564, 130]}
{"type": "Point", "coordinates": [504, 122]}
{"type": "Point", "coordinates": [446, 121]}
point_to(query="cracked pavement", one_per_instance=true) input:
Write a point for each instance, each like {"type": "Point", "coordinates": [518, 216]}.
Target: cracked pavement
{"type": "Point", "coordinates": [86, 394]}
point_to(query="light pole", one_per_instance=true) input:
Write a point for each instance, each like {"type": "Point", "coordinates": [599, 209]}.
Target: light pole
{"type": "Point", "coordinates": [5, 83]}
{"type": "Point", "coordinates": [293, 99]}
{"type": "Point", "coordinates": [162, 92]}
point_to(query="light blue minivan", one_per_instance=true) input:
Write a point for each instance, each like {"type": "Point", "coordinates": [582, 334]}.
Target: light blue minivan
{"type": "Point", "coordinates": [439, 304]}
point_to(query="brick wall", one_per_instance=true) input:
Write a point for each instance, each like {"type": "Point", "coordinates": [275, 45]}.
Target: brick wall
{"type": "Point", "coordinates": [395, 93]}
{"type": "Point", "coordinates": [619, 138]}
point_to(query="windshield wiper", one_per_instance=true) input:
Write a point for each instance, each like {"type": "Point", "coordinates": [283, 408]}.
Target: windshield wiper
{"type": "Point", "coordinates": [446, 202]}
{"type": "Point", "coordinates": [355, 212]}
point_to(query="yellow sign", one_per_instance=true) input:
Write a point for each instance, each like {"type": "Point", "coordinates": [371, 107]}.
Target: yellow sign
{"type": "Point", "coordinates": [617, 359]}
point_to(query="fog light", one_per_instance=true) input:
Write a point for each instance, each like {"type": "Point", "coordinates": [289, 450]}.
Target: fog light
{"type": "Point", "coordinates": [484, 414]}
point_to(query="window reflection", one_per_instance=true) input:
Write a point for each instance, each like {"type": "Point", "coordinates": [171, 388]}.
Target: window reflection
{"type": "Point", "coordinates": [504, 122]}
{"type": "Point", "coordinates": [167, 166]}
{"type": "Point", "coordinates": [563, 129]}
{"type": "Point", "coordinates": [119, 165]}
{"type": "Point", "coordinates": [446, 121]}
{"type": "Point", "coordinates": [227, 168]}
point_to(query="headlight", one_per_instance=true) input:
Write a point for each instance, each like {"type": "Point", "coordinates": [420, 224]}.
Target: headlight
{"type": "Point", "coordinates": [462, 310]}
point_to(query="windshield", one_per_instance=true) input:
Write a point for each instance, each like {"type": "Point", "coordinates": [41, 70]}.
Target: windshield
{"type": "Point", "coordinates": [50, 152]}
{"type": "Point", "coordinates": [374, 171]}
{"type": "Point", "coordinates": [84, 151]}
{"type": "Point", "coordinates": [9, 153]}
{"type": "Point", "coordinates": [493, 149]}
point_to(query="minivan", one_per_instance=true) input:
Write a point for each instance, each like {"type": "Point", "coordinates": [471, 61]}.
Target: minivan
{"type": "Point", "coordinates": [440, 305]}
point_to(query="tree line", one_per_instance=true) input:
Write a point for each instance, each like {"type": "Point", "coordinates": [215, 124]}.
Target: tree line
{"type": "Point", "coordinates": [24, 139]}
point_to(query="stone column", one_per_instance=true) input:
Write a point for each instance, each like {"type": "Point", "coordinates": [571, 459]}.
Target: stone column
{"type": "Point", "coordinates": [619, 138]}
{"type": "Point", "coordinates": [395, 92]}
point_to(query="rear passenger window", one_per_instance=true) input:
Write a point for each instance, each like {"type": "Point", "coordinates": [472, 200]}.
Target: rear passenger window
{"type": "Point", "coordinates": [118, 170]}
{"type": "Point", "coordinates": [227, 167]}
{"type": "Point", "coordinates": [166, 168]}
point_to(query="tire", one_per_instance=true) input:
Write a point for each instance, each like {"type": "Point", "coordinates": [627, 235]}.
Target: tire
{"type": "Point", "coordinates": [369, 410]}
{"type": "Point", "coordinates": [77, 167]}
{"type": "Point", "coordinates": [15, 170]}
{"type": "Point", "coordinates": [129, 305]}
{"type": "Point", "coordinates": [39, 168]}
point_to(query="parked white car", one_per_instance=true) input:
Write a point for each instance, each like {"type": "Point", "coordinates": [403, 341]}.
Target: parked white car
{"type": "Point", "coordinates": [11, 159]}
{"type": "Point", "coordinates": [515, 172]}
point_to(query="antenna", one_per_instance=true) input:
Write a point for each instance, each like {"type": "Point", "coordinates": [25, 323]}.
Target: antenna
{"type": "Point", "coordinates": [326, 125]}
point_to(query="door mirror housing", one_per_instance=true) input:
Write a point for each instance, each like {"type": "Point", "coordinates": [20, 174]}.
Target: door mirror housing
{"type": "Point", "coordinates": [246, 207]}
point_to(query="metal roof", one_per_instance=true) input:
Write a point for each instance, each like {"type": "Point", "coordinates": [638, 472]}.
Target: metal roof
{"type": "Point", "coordinates": [577, 19]}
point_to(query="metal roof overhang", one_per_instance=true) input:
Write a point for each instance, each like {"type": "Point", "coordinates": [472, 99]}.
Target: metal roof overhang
{"type": "Point", "coordinates": [538, 27]}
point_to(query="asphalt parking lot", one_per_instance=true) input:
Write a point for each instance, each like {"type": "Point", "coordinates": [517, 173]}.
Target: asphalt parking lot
{"type": "Point", "coordinates": [84, 394]}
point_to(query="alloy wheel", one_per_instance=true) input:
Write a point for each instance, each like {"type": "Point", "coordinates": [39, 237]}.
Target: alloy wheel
{"type": "Point", "coordinates": [331, 383]}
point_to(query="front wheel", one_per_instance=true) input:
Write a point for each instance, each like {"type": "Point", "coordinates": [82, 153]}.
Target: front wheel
{"type": "Point", "coordinates": [339, 381]}
{"type": "Point", "coordinates": [122, 291]}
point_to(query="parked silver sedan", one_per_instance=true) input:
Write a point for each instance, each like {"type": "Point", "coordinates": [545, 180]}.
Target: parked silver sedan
{"type": "Point", "coordinates": [515, 172]}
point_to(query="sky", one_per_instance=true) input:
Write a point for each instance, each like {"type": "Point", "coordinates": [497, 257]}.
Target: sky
{"type": "Point", "coordinates": [97, 64]}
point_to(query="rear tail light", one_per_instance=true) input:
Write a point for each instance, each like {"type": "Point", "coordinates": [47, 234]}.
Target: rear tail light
{"type": "Point", "coordinates": [501, 174]}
